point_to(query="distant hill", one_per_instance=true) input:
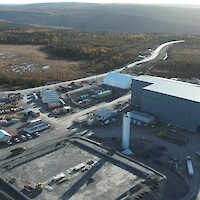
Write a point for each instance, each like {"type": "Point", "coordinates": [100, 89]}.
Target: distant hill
{"type": "Point", "coordinates": [112, 17]}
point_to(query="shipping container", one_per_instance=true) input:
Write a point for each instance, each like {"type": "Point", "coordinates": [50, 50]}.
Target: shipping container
{"type": "Point", "coordinates": [81, 119]}
{"type": "Point", "coordinates": [103, 94]}
{"type": "Point", "coordinates": [38, 128]}
{"type": "Point", "coordinates": [34, 121]}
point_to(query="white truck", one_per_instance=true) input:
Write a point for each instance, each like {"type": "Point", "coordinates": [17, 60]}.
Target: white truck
{"type": "Point", "coordinates": [189, 166]}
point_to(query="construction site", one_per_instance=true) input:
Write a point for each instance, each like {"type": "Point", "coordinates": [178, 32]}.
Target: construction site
{"type": "Point", "coordinates": [39, 133]}
{"type": "Point", "coordinates": [111, 136]}
{"type": "Point", "coordinates": [84, 170]}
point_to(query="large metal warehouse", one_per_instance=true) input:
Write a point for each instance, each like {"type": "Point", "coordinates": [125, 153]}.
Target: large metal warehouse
{"type": "Point", "coordinates": [174, 102]}
{"type": "Point", "coordinates": [50, 97]}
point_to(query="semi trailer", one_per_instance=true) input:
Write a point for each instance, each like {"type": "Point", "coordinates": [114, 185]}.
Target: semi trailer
{"type": "Point", "coordinates": [189, 166]}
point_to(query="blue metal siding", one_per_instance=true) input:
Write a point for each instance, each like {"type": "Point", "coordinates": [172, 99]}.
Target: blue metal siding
{"type": "Point", "coordinates": [136, 91]}
{"type": "Point", "coordinates": [180, 112]}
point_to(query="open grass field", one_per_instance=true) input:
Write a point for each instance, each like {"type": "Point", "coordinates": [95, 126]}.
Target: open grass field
{"type": "Point", "coordinates": [33, 56]}
{"type": "Point", "coordinates": [78, 45]}
{"type": "Point", "coordinates": [27, 62]}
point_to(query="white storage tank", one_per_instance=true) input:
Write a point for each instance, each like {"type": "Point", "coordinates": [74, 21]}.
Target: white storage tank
{"type": "Point", "coordinates": [126, 131]}
{"type": "Point", "coordinates": [126, 134]}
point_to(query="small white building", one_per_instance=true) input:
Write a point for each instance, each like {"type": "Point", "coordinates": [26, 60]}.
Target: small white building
{"type": "Point", "coordinates": [4, 136]}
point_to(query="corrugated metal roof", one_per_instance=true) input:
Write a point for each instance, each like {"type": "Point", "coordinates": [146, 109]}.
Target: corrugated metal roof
{"type": "Point", "coordinates": [48, 100]}
{"type": "Point", "coordinates": [170, 87]}
{"type": "Point", "coordinates": [145, 115]}
{"type": "Point", "coordinates": [49, 96]}
{"type": "Point", "coordinates": [105, 113]}
{"type": "Point", "coordinates": [118, 80]}
{"type": "Point", "coordinates": [47, 92]}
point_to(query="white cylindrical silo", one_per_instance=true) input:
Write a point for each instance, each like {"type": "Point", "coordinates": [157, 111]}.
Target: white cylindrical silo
{"type": "Point", "coordinates": [126, 131]}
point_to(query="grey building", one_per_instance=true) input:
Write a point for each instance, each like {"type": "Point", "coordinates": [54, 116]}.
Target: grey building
{"type": "Point", "coordinates": [105, 114]}
{"type": "Point", "coordinates": [171, 101]}
{"type": "Point", "coordinates": [51, 98]}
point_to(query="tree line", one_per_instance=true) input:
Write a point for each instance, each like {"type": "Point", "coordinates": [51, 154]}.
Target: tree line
{"type": "Point", "coordinates": [101, 51]}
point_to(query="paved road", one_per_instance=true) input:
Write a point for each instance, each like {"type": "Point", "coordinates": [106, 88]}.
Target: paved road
{"type": "Point", "coordinates": [153, 55]}
{"type": "Point", "coordinates": [7, 192]}
{"type": "Point", "coordinates": [61, 124]}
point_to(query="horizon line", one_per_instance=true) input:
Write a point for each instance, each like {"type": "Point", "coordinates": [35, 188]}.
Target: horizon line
{"type": "Point", "coordinates": [162, 4]}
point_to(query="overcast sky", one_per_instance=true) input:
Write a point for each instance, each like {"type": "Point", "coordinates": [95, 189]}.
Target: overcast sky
{"type": "Point", "coordinates": [105, 1]}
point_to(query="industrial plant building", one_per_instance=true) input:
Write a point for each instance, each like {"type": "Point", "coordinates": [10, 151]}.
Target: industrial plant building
{"type": "Point", "coordinates": [171, 101]}
{"type": "Point", "coordinates": [51, 98]}
{"type": "Point", "coordinates": [105, 114]}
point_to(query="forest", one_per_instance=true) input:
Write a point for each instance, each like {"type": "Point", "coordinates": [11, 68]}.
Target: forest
{"type": "Point", "coordinates": [98, 51]}
{"type": "Point", "coordinates": [183, 60]}
{"type": "Point", "coordinates": [128, 18]}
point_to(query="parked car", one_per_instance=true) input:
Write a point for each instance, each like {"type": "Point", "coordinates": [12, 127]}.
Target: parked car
{"type": "Point", "coordinates": [37, 134]}
{"type": "Point", "coordinates": [28, 136]}
{"type": "Point", "coordinates": [9, 142]}
{"type": "Point", "coordinates": [23, 137]}
{"type": "Point", "coordinates": [16, 140]}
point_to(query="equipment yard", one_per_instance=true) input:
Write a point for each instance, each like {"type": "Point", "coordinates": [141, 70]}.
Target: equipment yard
{"type": "Point", "coordinates": [64, 141]}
